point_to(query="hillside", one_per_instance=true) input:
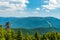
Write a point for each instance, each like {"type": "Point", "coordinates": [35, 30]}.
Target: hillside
{"type": "Point", "coordinates": [31, 22]}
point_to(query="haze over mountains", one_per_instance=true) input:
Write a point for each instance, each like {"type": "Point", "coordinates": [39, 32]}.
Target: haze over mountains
{"type": "Point", "coordinates": [31, 22]}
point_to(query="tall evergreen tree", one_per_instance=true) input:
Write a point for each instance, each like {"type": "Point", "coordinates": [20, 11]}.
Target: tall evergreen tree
{"type": "Point", "coordinates": [53, 36]}
{"type": "Point", "coordinates": [27, 37]}
{"type": "Point", "coordinates": [13, 34]}
{"type": "Point", "coordinates": [7, 25]}
{"type": "Point", "coordinates": [19, 35]}
{"type": "Point", "coordinates": [44, 37]}
{"type": "Point", "coordinates": [37, 36]}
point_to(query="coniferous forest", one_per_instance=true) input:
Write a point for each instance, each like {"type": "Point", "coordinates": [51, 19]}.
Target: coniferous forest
{"type": "Point", "coordinates": [10, 34]}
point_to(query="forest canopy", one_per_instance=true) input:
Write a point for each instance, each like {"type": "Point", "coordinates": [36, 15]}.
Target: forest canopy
{"type": "Point", "coordinates": [10, 34]}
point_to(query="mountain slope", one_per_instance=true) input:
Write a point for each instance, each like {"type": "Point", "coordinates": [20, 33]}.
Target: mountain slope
{"type": "Point", "coordinates": [31, 22]}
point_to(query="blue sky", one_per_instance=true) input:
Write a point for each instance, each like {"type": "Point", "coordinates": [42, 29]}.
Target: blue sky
{"type": "Point", "coordinates": [30, 8]}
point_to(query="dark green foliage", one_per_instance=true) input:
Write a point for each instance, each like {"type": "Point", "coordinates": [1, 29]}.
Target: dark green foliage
{"type": "Point", "coordinates": [37, 36]}
{"type": "Point", "coordinates": [9, 34]}
{"type": "Point", "coordinates": [44, 37]}
{"type": "Point", "coordinates": [13, 34]}
{"type": "Point", "coordinates": [27, 36]}
{"type": "Point", "coordinates": [19, 35]}
{"type": "Point", "coordinates": [7, 25]}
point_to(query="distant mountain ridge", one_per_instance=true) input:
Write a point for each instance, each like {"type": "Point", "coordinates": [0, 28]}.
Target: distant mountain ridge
{"type": "Point", "coordinates": [31, 22]}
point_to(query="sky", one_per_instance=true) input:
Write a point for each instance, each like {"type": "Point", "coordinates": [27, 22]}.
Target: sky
{"type": "Point", "coordinates": [30, 8]}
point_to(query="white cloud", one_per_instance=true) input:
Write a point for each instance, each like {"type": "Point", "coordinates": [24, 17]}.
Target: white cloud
{"type": "Point", "coordinates": [37, 9]}
{"type": "Point", "coordinates": [12, 9]}
{"type": "Point", "coordinates": [47, 10]}
{"type": "Point", "coordinates": [4, 3]}
{"type": "Point", "coordinates": [13, 6]}
{"type": "Point", "coordinates": [53, 4]}
{"type": "Point", "coordinates": [13, 14]}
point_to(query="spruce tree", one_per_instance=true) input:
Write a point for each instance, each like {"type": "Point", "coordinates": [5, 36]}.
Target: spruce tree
{"type": "Point", "coordinates": [7, 25]}
{"type": "Point", "coordinates": [53, 36]}
{"type": "Point", "coordinates": [19, 35]}
{"type": "Point", "coordinates": [27, 37]}
{"type": "Point", "coordinates": [37, 36]}
{"type": "Point", "coordinates": [44, 37]}
{"type": "Point", "coordinates": [13, 34]}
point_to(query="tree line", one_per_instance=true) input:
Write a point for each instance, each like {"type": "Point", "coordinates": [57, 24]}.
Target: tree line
{"type": "Point", "coordinates": [10, 34]}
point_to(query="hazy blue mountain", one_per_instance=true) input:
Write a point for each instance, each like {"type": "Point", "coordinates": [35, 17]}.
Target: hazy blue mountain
{"type": "Point", "coordinates": [31, 22]}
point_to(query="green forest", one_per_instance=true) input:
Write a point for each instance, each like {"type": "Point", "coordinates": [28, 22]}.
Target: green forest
{"type": "Point", "coordinates": [10, 34]}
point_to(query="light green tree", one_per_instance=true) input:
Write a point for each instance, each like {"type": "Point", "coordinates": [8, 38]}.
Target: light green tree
{"type": "Point", "coordinates": [2, 33]}
{"type": "Point", "coordinates": [8, 35]}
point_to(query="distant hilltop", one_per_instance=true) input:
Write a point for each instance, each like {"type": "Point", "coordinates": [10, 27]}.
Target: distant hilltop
{"type": "Point", "coordinates": [31, 22]}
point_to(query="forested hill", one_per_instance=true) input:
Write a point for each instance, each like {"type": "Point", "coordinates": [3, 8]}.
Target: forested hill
{"type": "Point", "coordinates": [31, 22]}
